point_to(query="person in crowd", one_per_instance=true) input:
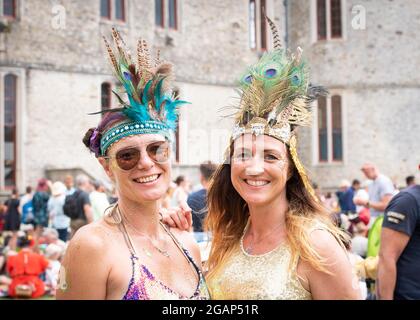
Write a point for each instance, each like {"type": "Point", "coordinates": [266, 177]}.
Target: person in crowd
{"type": "Point", "coordinates": [26, 207]}
{"type": "Point", "coordinates": [12, 217]}
{"type": "Point", "coordinates": [180, 194]}
{"type": "Point", "coordinates": [60, 221]}
{"type": "Point", "coordinates": [410, 181]}
{"type": "Point", "coordinates": [69, 183]}
{"type": "Point", "coordinates": [53, 253]}
{"type": "Point", "coordinates": [99, 200]}
{"type": "Point", "coordinates": [399, 254]}
{"type": "Point", "coordinates": [24, 269]}
{"type": "Point", "coordinates": [381, 191]}
{"type": "Point", "coordinates": [79, 205]}
{"type": "Point", "coordinates": [40, 206]}
{"type": "Point", "coordinates": [197, 201]}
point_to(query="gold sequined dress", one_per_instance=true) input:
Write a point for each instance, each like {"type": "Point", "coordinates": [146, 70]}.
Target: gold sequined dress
{"type": "Point", "coordinates": [258, 277]}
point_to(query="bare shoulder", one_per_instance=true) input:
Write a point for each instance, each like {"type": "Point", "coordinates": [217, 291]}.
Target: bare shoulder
{"type": "Point", "coordinates": [187, 240]}
{"type": "Point", "coordinates": [326, 244]}
{"type": "Point", "coordinates": [86, 264]}
{"type": "Point", "coordinates": [91, 240]}
{"type": "Point", "coordinates": [338, 280]}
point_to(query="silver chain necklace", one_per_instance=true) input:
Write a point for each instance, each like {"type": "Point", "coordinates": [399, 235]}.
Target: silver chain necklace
{"type": "Point", "coordinates": [164, 252]}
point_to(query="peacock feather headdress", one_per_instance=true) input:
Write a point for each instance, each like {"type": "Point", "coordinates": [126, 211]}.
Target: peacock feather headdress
{"type": "Point", "coordinates": [275, 98]}
{"type": "Point", "coordinates": [151, 107]}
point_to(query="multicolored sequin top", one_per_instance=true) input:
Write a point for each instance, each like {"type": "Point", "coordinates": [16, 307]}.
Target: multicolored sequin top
{"type": "Point", "coordinates": [145, 286]}
{"type": "Point", "coordinates": [258, 277]}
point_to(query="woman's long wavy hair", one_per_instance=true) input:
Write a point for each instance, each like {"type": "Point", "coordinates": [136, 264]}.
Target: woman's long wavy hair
{"type": "Point", "coordinates": [228, 215]}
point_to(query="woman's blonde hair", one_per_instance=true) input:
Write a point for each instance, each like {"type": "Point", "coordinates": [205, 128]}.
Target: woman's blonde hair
{"type": "Point", "coordinates": [228, 216]}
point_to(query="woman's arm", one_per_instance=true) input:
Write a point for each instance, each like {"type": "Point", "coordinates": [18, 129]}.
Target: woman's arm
{"type": "Point", "coordinates": [84, 272]}
{"type": "Point", "coordinates": [342, 283]}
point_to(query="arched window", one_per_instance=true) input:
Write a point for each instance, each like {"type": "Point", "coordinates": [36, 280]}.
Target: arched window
{"type": "Point", "coordinates": [10, 103]}
{"type": "Point", "coordinates": [105, 96]}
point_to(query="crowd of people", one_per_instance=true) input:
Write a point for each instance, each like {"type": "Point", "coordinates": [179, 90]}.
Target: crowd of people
{"type": "Point", "coordinates": [36, 226]}
{"type": "Point", "coordinates": [360, 209]}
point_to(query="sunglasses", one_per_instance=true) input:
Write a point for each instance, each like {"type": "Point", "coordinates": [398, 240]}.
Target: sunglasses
{"type": "Point", "coordinates": [128, 158]}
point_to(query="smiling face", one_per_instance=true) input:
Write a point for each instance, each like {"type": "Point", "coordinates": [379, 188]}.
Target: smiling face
{"type": "Point", "coordinates": [148, 180]}
{"type": "Point", "coordinates": [259, 168]}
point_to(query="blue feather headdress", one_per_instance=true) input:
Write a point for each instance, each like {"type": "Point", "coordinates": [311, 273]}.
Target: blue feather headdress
{"type": "Point", "coordinates": [151, 105]}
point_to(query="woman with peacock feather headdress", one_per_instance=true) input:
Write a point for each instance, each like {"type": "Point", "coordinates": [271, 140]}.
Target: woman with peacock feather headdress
{"type": "Point", "coordinates": [130, 254]}
{"type": "Point", "coordinates": [271, 239]}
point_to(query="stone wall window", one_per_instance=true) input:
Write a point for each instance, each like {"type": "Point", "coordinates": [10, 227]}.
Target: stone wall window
{"type": "Point", "coordinates": [8, 8]}
{"type": "Point", "coordinates": [337, 129]}
{"type": "Point", "coordinates": [106, 9]}
{"type": "Point", "coordinates": [113, 10]}
{"type": "Point", "coordinates": [105, 96]}
{"type": "Point", "coordinates": [329, 19]}
{"type": "Point", "coordinates": [172, 9]}
{"type": "Point", "coordinates": [322, 130]}
{"type": "Point", "coordinates": [330, 129]}
{"type": "Point", "coordinates": [159, 13]}
{"type": "Point", "coordinates": [257, 25]}
{"type": "Point", "coordinates": [120, 10]}
{"type": "Point", "coordinates": [166, 13]}
{"type": "Point", "coordinates": [10, 105]}
{"type": "Point", "coordinates": [252, 24]}
{"type": "Point", "coordinates": [321, 14]}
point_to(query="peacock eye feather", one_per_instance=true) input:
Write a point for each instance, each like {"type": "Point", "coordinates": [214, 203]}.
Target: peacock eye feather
{"type": "Point", "coordinates": [248, 79]}
{"type": "Point", "coordinates": [296, 80]}
{"type": "Point", "coordinates": [270, 73]}
{"type": "Point", "coordinates": [127, 76]}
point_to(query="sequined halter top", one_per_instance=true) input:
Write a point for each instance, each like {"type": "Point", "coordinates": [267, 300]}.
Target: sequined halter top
{"type": "Point", "coordinates": [258, 277]}
{"type": "Point", "coordinates": [145, 286]}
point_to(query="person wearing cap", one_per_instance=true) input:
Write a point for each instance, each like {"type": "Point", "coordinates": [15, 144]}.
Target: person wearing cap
{"type": "Point", "coordinates": [399, 255]}
{"type": "Point", "coordinates": [60, 221]}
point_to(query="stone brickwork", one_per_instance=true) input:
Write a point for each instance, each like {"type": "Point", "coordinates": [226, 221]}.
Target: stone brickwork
{"type": "Point", "coordinates": [375, 71]}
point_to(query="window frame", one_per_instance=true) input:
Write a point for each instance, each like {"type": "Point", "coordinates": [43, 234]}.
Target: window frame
{"type": "Point", "coordinates": [15, 10]}
{"type": "Point", "coordinates": [112, 12]}
{"type": "Point", "coordinates": [175, 8]}
{"type": "Point", "coordinates": [13, 126]}
{"type": "Point", "coordinates": [162, 13]}
{"type": "Point", "coordinates": [260, 27]}
{"type": "Point", "coordinates": [316, 161]}
{"type": "Point", "coordinates": [328, 22]}
{"type": "Point", "coordinates": [109, 17]}
{"type": "Point", "coordinates": [253, 21]}
{"type": "Point", "coordinates": [109, 95]}
{"type": "Point", "coordinates": [123, 11]}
